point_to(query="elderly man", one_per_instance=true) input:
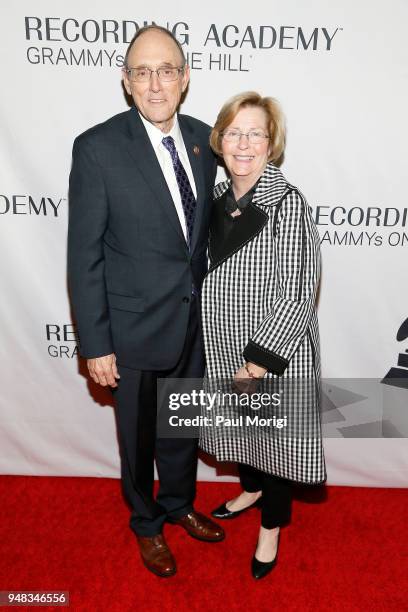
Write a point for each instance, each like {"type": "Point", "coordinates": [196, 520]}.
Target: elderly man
{"type": "Point", "coordinates": [140, 198]}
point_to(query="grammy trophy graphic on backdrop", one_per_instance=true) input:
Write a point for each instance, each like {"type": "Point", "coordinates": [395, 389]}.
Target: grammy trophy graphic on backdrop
{"type": "Point", "coordinates": [398, 376]}
{"type": "Point", "coordinates": [363, 408]}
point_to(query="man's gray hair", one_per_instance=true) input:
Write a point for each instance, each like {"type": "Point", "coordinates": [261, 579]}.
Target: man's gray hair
{"type": "Point", "coordinates": [158, 29]}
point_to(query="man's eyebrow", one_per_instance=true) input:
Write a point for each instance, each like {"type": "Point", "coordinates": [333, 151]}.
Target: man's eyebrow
{"type": "Point", "coordinates": [161, 65]}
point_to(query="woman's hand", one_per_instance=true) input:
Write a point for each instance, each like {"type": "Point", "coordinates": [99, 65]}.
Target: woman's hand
{"type": "Point", "coordinates": [247, 377]}
{"type": "Point", "coordinates": [254, 370]}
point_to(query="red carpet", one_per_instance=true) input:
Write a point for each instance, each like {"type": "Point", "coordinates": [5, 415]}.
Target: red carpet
{"type": "Point", "coordinates": [345, 550]}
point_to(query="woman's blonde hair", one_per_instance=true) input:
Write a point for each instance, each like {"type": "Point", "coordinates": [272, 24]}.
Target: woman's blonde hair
{"type": "Point", "coordinates": [275, 121]}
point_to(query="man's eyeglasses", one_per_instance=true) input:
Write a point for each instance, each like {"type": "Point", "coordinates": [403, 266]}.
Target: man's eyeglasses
{"type": "Point", "coordinates": [165, 74]}
{"type": "Point", "coordinates": [254, 136]}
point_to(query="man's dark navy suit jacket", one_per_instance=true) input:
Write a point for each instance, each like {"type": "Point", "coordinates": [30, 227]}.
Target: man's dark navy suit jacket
{"type": "Point", "coordinates": [129, 268]}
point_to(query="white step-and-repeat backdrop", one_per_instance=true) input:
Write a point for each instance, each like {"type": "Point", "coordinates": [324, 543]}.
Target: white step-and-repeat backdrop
{"type": "Point", "coordinates": [339, 70]}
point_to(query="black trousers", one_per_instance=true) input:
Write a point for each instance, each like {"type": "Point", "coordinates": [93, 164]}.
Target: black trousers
{"type": "Point", "coordinates": [176, 459]}
{"type": "Point", "coordinates": [276, 502]}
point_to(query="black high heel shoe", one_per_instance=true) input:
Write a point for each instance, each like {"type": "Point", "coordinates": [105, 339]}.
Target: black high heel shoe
{"type": "Point", "coordinates": [222, 511]}
{"type": "Point", "coordinates": [260, 569]}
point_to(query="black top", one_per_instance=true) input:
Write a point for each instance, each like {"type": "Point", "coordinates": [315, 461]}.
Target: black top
{"type": "Point", "coordinates": [223, 225]}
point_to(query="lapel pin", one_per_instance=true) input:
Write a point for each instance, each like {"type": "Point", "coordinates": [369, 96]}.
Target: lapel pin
{"type": "Point", "coordinates": [196, 150]}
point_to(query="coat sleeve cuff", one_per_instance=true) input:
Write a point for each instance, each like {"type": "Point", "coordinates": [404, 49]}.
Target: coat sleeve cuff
{"type": "Point", "coordinates": [262, 357]}
{"type": "Point", "coordinates": [92, 350]}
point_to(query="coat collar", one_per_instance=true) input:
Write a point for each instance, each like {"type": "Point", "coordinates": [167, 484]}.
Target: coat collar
{"type": "Point", "coordinates": [221, 246]}
{"type": "Point", "coordinates": [271, 187]}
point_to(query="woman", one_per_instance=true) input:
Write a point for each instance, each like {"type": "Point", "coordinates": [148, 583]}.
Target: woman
{"type": "Point", "coordinates": [259, 317]}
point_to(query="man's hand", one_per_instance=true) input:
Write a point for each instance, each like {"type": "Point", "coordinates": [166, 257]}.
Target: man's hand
{"type": "Point", "coordinates": [103, 370]}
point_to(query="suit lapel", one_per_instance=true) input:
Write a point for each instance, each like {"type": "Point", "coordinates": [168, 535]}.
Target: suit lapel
{"type": "Point", "coordinates": [195, 156]}
{"type": "Point", "coordinates": [141, 150]}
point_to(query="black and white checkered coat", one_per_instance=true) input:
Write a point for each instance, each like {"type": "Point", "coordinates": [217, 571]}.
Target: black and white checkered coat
{"type": "Point", "coordinates": [258, 305]}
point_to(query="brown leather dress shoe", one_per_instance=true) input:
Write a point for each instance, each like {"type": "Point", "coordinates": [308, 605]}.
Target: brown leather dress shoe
{"type": "Point", "coordinates": [156, 555]}
{"type": "Point", "coordinates": [200, 527]}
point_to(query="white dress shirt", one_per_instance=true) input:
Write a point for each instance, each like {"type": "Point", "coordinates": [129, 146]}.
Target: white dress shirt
{"type": "Point", "coordinates": [156, 136]}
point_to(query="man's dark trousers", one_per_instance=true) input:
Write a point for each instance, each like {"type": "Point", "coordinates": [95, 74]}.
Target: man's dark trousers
{"type": "Point", "coordinates": [176, 458]}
